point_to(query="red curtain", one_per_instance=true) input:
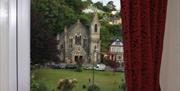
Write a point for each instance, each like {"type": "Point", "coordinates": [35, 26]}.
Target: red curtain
{"type": "Point", "coordinates": [143, 28]}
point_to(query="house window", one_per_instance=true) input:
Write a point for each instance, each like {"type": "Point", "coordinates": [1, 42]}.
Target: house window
{"type": "Point", "coordinates": [119, 57]}
{"type": "Point", "coordinates": [78, 40]}
{"type": "Point", "coordinates": [95, 28]}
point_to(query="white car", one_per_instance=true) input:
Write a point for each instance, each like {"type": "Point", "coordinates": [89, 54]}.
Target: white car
{"type": "Point", "coordinates": [100, 67]}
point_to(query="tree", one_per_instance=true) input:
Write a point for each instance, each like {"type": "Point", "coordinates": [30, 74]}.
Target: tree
{"type": "Point", "coordinates": [105, 38]}
{"type": "Point", "coordinates": [111, 5]}
{"type": "Point", "coordinates": [60, 13]}
{"type": "Point", "coordinates": [43, 42]}
{"type": "Point", "coordinates": [108, 34]}
{"type": "Point", "coordinates": [99, 5]}
{"type": "Point", "coordinates": [78, 5]}
{"type": "Point", "coordinates": [48, 19]}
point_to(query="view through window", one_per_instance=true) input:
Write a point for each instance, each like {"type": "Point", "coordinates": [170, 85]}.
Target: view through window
{"type": "Point", "coordinates": [76, 45]}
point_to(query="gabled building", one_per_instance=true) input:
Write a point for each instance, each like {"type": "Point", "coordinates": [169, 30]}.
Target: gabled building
{"type": "Point", "coordinates": [116, 52]}
{"type": "Point", "coordinates": [78, 43]}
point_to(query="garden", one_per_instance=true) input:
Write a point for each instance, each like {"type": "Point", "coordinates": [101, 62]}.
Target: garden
{"type": "Point", "coordinates": [46, 79]}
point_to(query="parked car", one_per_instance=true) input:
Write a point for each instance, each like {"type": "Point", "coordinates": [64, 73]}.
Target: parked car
{"type": "Point", "coordinates": [88, 66]}
{"type": "Point", "coordinates": [119, 69]}
{"type": "Point", "coordinates": [100, 67]}
{"type": "Point", "coordinates": [55, 66]}
{"type": "Point", "coordinates": [108, 68]}
{"type": "Point", "coordinates": [62, 65]}
{"type": "Point", "coordinates": [71, 66]}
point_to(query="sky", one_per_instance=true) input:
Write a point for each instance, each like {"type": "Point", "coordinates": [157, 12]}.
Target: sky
{"type": "Point", "coordinates": [116, 2]}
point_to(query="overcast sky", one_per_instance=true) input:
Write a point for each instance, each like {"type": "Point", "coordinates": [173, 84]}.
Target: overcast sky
{"type": "Point", "coordinates": [116, 2]}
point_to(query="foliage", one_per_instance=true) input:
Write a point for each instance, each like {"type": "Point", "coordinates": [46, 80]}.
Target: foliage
{"type": "Point", "coordinates": [112, 64]}
{"type": "Point", "coordinates": [79, 65]}
{"type": "Point", "coordinates": [79, 68]}
{"type": "Point", "coordinates": [58, 13]}
{"type": "Point", "coordinates": [110, 5]}
{"type": "Point", "coordinates": [93, 88]}
{"type": "Point", "coordinates": [108, 34]}
{"type": "Point", "coordinates": [78, 5]}
{"type": "Point", "coordinates": [36, 86]}
{"type": "Point", "coordinates": [66, 84]}
{"type": "Point", "coordinates": [99, 5]}
{"type": "Point", "coordinates": [43, 42]}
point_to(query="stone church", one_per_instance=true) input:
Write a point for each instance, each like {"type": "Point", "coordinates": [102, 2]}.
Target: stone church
{"type": "Point", "coordinates": [79, 44]}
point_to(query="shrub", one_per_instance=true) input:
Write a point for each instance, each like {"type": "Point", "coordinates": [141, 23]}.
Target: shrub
{"type": "Point", "coordinates": [79, 69]}
{"type": "Point", "coordinates": [35, 86]}
{"type": "Point", "coordinates": [66, 84]}
{"type": "Point", "coordinates": [93, 88]}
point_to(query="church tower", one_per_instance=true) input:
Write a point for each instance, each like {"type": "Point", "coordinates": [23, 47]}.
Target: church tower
{"type": "Point", "coordinates": [95, 39]}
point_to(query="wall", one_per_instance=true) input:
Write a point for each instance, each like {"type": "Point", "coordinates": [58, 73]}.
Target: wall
{"type": "Point", "coordinates": [170, 70]}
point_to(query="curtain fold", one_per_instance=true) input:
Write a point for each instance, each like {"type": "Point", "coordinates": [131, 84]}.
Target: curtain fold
{"type": "Point", "coordinates": [143, 28]}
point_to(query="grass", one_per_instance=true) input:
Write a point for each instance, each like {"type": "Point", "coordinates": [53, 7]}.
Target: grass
{"type": "Point", "coordinates": [107, 81]}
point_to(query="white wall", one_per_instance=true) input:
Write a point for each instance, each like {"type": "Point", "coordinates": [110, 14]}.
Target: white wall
{"type": "Point", "coordinates": [170, 70]}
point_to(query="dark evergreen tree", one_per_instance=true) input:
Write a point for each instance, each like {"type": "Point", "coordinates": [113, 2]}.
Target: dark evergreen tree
{"type": "Point", "coordinates": [43, 42]}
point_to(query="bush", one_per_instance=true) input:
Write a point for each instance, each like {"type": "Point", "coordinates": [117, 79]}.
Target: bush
{"type": "Point", "coordinates": [84, 86]}
{"type": "Point", "coordinates": [66, 84]}
{"type": "Point", "coordinates": [79, 69]}
{"type": "Point", "coordinates": [35, 86]}
{"type": "Point", "coordinates": [95, 87]}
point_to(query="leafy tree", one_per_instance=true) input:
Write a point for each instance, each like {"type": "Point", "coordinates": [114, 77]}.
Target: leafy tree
{"type": "Point", "coordinates": [78, 5]}
{"type": "Point", "coordinates": [111, 5]}
{"type": "Point", "coordinates": [105, 38]}
{"type": "Point", "coordinates": [58, 13]}
{"type": "Point", "coordinates": [43, 42]}
{"type": "Point", "coordinates": [108, 34]}
{"type": "Point", "coordinates": [99, 5]}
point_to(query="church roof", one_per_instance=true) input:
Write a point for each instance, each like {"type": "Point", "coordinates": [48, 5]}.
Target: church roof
{"type": "Point", "coordinates": [95, 18]}
{"type": "Point", "coordinates": [77, 25]}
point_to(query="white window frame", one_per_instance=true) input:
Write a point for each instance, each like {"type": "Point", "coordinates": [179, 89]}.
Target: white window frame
{"type": "Point", "coordinates": [8, 58]}
{"type": "Point", "coordinates": [23, 45]}
{"type": "Point", "coordinates": [14, 45]}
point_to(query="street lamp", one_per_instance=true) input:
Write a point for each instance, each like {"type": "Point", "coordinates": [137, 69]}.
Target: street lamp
{"type": "Point", "coordinates": [95, 56]}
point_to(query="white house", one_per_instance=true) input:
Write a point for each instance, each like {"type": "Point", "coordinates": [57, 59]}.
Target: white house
{"type": "Point", "coordinates": [116, 52]}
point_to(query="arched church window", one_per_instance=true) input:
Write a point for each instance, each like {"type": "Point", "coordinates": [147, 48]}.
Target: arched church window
{"type": "Point", "coordinates": [70, 43]}
{"type": "Point", "coordinates": [78, 40]}
{"type": "Point", "coordinates": [95, 28]}
{"type": "Point", "coordinates": [95, 47]}
{"type": "Point", "coordinates": [85, 43]}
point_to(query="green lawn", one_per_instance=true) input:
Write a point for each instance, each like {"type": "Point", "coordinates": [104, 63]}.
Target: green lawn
{"type": "Point", "coordinates": [107, 81]}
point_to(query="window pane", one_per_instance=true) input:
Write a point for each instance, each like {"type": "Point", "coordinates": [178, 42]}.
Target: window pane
{"type": "Point", "coordinates": [88, 54]}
